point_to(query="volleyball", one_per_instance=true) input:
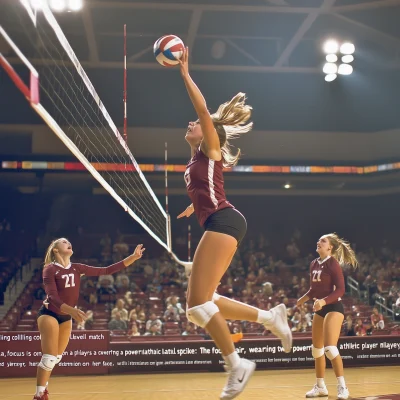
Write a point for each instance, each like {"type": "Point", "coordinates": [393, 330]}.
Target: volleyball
{"type": "Point", "coordinates": [168, 50]}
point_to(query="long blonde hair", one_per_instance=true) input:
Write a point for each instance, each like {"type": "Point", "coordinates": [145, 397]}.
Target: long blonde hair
{"type": "Point", "coordinates": [342, 250]}
{"type": "Point", "coordinates": [230, 121]}
{"type": "Point", "coordinates": [50, 257]}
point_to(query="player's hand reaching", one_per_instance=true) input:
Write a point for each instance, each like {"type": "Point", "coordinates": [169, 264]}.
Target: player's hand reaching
{"type": "Point", "coordinates": [184, 63]}
{"type": "Point", "coordinates": [138, 253]}
{"type": "Point", "coordinates": [187, 213]}
{"type": "Point", "coordinates": [318, 304]}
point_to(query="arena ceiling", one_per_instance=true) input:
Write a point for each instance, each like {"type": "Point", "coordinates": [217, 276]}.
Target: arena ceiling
{"type": "Point", "coordinates": [264, 36]}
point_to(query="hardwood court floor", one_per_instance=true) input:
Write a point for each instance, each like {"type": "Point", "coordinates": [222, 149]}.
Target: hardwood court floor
{"type": "Point", "coordinates": [284, 384]}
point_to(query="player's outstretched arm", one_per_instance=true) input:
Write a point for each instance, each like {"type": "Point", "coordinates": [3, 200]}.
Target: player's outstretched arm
{"type": "Point", "coordinates": [210, 135]}
{"type": "Point", "coordinates": [112, 269]}
{"type": "Point", "coordinates": [187, 213]}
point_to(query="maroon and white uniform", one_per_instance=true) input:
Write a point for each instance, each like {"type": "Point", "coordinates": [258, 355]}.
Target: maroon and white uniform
{"type": "Point", "coordinates": [62, 284]}
{"type": "Point", "coordinates": [326, 280]}
{"type": "Point", "coordinates": [205, 185]}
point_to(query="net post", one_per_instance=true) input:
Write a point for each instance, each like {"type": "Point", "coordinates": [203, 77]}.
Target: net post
{"type": "Point", "coordinates": [125, 91]}
{"type": "Point", "coordinates": [169, 241]}
{"type": "Point", "coordinates": [189, 243]}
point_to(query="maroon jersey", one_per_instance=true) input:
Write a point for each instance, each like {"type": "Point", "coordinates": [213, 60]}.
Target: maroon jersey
{"type": "Point", "coordinates": [205, 185]}
{"type": "Point", "coordinates": [326, 280]}
{"type": "Point", "coordinates": [62, 284]}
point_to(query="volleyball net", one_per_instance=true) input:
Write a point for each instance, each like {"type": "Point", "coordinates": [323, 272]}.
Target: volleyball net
{"type": "Point", "coordinates": [60, 91]}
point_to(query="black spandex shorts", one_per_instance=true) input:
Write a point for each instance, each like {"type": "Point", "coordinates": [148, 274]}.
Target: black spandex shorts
{"type": "Point", "coordinates": [229, 221]}
{"type": "Point", "coordinates": [60, 318]}
{"type": "Point", "coordinates": [337, 307]}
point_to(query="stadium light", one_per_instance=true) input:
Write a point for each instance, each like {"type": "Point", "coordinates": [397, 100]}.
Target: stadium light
{"type": "Point", "coordinates": [287, 186]}
{"type": "Point", "coordinates": [332, 68]}
{"type": "Point", "coordinates": [37, 4]}
{"type": "Point", "coordinates": [345, 69]}
{"type": "Point", "coordinates": [330, 77]}
{"type": "Point", "coordinates": [331, 46]}
{"type": "Point", "coordinates": [331, 58]}
{"type": "Point", "coordinates": [347, 59]}
{"type": "Point", "coordinates": [57, 5]}
{"type": "Point", "coordinates": [347, 48]}
{"type": "Point", "coordinates": [75, 5]}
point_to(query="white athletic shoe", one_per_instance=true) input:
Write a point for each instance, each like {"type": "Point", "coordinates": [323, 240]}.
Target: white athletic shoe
{"type": "Point", "coordinates": [317, 391]}
{"type": "Point", "coordinates": [238, 378]}
{"type": "Point", "coordinates": [342, 392]}
{"type": "Point", "coordinates": [279, 326]}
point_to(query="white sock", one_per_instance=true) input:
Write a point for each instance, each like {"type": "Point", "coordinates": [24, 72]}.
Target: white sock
{"type": "Point", "coordinates": [320, 382]}
{"type": "Point", "coordinates": [264, 316]}
{"type": "Point", "coordinates": [340, 381]}
{"type": "Point", "coordinates": [40, 390]}
{"type": "Point", "coordinates": [233, 360]}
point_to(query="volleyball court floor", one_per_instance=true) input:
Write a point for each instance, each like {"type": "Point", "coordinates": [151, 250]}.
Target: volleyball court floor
{"type": "Point", "coordinates": [370, 382]}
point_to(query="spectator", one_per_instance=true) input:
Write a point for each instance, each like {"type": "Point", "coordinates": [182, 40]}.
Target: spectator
{"type": "Point", "coordinates": [189, 330]}
{"type": "Point", "coordinates": [171, 314]}
{"type": "Point", "coordinates": [117, 324]}
{"type": "Point", "coordinates": [121, 310]}
{"type": "Point", "coordinates": [153, 331]}
{"type": "Point", "coordinates": [174, 302]}
{"type": "Point", "coordinates": [134, 331]}
{"type": "Point", "coordinates": [377, 321]}
{"type": "Point", "coordinates": [153, 321]}
{"type": "Point", "coordinates": [359, 328]}
{"type": "Point", "coordinates": [350, 326]}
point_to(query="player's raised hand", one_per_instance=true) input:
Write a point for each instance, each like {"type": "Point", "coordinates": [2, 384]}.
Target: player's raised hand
{"type": "Point", "coordinates": [187, 213]}
{"type": "Point", "coordinates": [184, 63]}
{"type": "Point", "coordinates": [138, 253]}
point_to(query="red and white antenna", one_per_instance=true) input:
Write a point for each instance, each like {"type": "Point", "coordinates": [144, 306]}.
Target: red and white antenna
{"type": "Point", "coordinates": [125, 91]}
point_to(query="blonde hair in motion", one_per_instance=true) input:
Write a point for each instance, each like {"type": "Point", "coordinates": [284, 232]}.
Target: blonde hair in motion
{"type": "Point", "coordinates": [230, 122]}
{"type": "Point", "coordinates": [49, 257]}
{"type": "Point", "coordinates": [342, 250]}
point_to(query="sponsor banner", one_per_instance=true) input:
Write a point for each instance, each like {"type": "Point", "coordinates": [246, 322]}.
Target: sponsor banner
{"type": "Point", "coordinates": [87, 353]}
{"type": "Point", "coordinates": [90, 352]}
{"type": "Point", "coordinates": [198, 356]}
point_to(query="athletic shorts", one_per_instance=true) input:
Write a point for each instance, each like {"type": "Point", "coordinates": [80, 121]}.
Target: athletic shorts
{"type": "Point", "coordinates": [60, 318]}
{"type": "Point", "coordinates": [335, 307]}
{"type": "Point", "coordinates": [228, 221]}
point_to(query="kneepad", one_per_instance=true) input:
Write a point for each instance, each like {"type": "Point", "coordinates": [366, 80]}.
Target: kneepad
{"type": "Point", "coordinates": [331, 352]}
{"type": "Point", "coordinates": [215, 297]}
{"type": "Point", "coordinates": [201, 315]}
{"type": "Point", "coordinates": [47, 362]}
{"type": "Point", "coordinates": [59, 357]}
{"type": "Point", "coordinates": [316, 352]}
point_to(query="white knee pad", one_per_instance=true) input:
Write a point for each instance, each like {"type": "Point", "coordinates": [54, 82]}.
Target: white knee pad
{"type": "Point", "coordinates": [59, 357]}
{"type": "Point", "coordinates": [47, 362]}
{"type": "Point", "coordinates": [201, 315]}
{"type": "Point", "coordinates": [331, 352]}
{"type": "Point", "coordinates": [216, 297]}
{"type": "Point", "coordinates": [316, 352]}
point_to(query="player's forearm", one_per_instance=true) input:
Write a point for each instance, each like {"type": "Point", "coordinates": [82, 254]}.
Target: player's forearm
{"type": "Point", "coordinates": [197, 98]}
{"type": "Point", "coordinates": [130, 260]}
{"type": "Point", "coordinates": [303, 299]}
{"type": "Point", "coordinates": [66, 309]}
{"type": "Point", "coordinates": [334, 296]}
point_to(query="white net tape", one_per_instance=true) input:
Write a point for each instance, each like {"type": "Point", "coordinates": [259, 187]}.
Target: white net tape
{"type": "Point", "coordinates": [71, 107]}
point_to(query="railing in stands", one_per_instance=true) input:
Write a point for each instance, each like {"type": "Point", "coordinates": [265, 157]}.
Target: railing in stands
{"type": "Point", "coordinates": [18, 276]}
{"type": "Point", "coordinates": [380, 301]}
{"type": "Point", "coordinates": [354, 286]}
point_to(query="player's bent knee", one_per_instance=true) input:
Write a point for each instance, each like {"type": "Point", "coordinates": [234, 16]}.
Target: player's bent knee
{"type": "Point", "coordinates": [47, 362]}
{"type": "Point", "coordinates": [59, 357]}
{"type": "Point", "coordinates": [202, 314]}
{"type": "Point", "coordinates": [316, 352]}
{"type": "Point", "coordinates": [331, 352]}
{"type": "Point", "coordinates": [215, 297]}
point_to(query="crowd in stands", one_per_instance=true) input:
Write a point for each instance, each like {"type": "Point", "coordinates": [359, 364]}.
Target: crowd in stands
{"type": "Point", "coordinates": [148, 298]}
